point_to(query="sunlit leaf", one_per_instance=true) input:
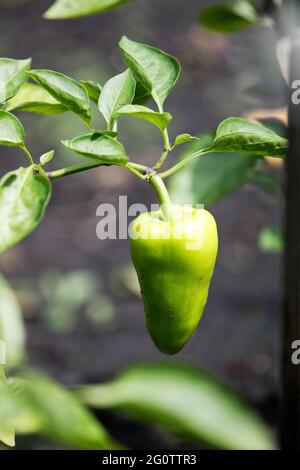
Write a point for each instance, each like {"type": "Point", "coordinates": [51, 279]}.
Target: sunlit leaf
{"type": "Point", "coordinates": [47, 157]}
{"type": "Point", "coordinates": [64, 9]}
{"type": "Point", "coordinates": [183, 139]}
{"type": "Point", "coordinates": [7, 432]}
{"type": "Point", "coordinates": [93, 89]}
{"type": "Point", "coordinates": [161, 120]}
{"type": "Point", "coordinates": [12, 331]}
{"type": "Point", "coordinates": [241, 135]}
{"type": "Point", "coordinates": [24, 195]}
{"type": "Point", "coordinates": [184, 401]}
{"type": "Point", "coordinates": [116, 93]}
{"type": "Point", "coordinates": [12, 76]}
{"type": "Point", "coordinates": [229, 17]}
{"type": "Point", "coordinates": [11, 130]}
{"type": "Point", "coordinates": [64, 89]}
{"type": "Point", "coordinates": [34, 99]}
{"type": "Point", "coordinates": [98, 146]}
{"type": "Point", "coordinates": [154, 69]}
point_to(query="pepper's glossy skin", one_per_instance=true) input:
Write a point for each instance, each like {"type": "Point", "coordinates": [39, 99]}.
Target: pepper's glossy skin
{"type": "Point", "coordinates": [174, 261]}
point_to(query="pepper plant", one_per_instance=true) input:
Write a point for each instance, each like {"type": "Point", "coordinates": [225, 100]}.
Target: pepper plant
{"type": "Point", "coordinates": [227, 17]}
{"type": "Point", "coordinates": [174, 281]}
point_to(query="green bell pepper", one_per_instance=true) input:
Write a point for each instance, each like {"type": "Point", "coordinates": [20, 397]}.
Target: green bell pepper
{"type": "Point", "coordinates": [174, 253]}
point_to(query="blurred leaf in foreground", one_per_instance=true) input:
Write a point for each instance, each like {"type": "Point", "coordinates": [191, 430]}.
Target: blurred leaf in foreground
{"type": "Point", "coordinates": [53, 411]}
{"type": "Point", "coordinates": [12, 331]}
{"type": "Point", "coordinates": [184, 401]}
{"type": "Point", "coordinates": [7, 432]}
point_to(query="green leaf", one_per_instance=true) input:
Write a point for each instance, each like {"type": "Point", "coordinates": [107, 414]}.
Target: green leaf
{"type": "Point", "coordinates": [35, 99]}
{"type": "Point", "coordinates": [60, 414]}
{"type": "Point", "coordinates": [100, 147]}
{"type": "Point", "coordinates": [117, 92]}
{"type": "Point", "coordinates": [47, 157]}
{"type": "Point", "coordinates": [275, 125]}
{"type": "Point", "coordinates": [183, 139]}
{"type": "Point", "coordinates": [270, 240]}
{"type": "Point", "coordinates": [64, 9]}
{"type": "Point", "coordinates": [7, 432]}
{"type": "Point", "coordinates": [11, 130]}
{"type": "Point", "coordinates": [12, 331]}
{"type": "Point", "coordinates": [210, 177]}
{"type": "Point", "coordinates": [229, 18]}
{"type": "Point", "coordinates": [66, 90]}
{"type": "Point", "coordinates": [141, 94]}
{"type": "Point", "coordinates": [24, 195]}
{"type": "Point", "coordinates": [265, 181]}
{"type": "Point", "coordinates": [22, 418]}
{"type": "Point", "coordinates": [93, 89]}
{"type": "Point", "coordinates": [12, 76]}
{"type": "Point", "coordinates": [241, 135]}
{"type": "Point", "coordinates": [185, 401]}
{"type": "Point", "coordinates": [161, 120]}
{"type": "Point", "coordinates": [154, 69]}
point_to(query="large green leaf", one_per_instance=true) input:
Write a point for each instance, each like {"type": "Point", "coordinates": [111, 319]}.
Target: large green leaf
{"type": "Point", "coordinates": [11, 130]}
{"type": "Point", "coordinates": [64, 9]}
{"type": "Point", "coordinates": [154, 69]}
{"type": "Point", "coordinates": [142, 95]}
{"type": "Point", "coordinates": [7, 432]}
{"type": "Point", "coordinates": [240, 135]}
{"type": "Point", "coordinates": [12, 76]}
{"type": "Point", "coordinates": [117, 92]}
{"type": "Point", "coordinates": [23, 418]}
{"type": "Point", "coordinates": [99, 146]}
{"type": "Point", "coordinates": [56, 413]}
{"type": "Point", "coordinates": [161, 120]}
{"type": "Point", "coordinates": [184, 401]}
{"type": "Point", "coordinates": [210, 177]}
{"type": "Point", "coordinates": [24, 195]}
{"type": "Point", "coordinates": [66, 90]}
{"type": "Point", "coordinates": [12, 331]}
{"type": "Point", "coordinates": [93, 89]}
{"type": "Point", "coordinates": [230, 17]}
{"type": "Point", "coordinates": [34, 99]}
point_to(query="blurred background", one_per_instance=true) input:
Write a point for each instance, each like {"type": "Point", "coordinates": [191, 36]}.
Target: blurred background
{"type": "Point", "coordinates": [79, 296]}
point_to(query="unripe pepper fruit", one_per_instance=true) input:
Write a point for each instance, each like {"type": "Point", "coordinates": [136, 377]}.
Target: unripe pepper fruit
{"type": "Point", "coordinates": [174, 257]}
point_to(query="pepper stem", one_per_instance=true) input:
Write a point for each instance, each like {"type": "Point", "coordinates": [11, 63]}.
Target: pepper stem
{"type": "Point", "coordinates": [162, 195]}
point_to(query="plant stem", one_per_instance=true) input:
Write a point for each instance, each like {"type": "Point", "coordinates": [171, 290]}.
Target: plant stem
{"type": "Point", "coordinates": [161, 160]}
{"type": "Point", "coordinates": [71, 170]}
{"type": "Point", "coordinates": [162, 195]}
{"type": "Point", "coordinates": [166, 141]}
{"type": "Point", "coordinates": [28, 154]}
{"type": "Point", "coordinates": [182, 163]}
{"type": "Point", "coordinates": [139, 170]}
{"type": "Point", "coordinates": [134, 168]}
